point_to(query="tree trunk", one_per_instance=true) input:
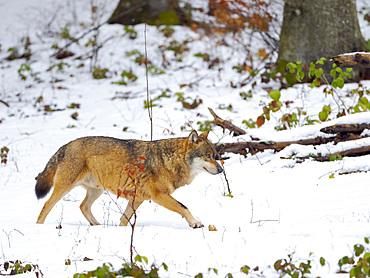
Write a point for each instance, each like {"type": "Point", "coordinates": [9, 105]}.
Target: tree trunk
{"type": "Point", "coordinates": [319, 28]}
{"type": "Point", "coordinates": [157, 12]}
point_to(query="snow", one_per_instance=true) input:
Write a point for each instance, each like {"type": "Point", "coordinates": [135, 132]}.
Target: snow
{"type": "Point", "coordinates": [279, 207]}
{"type": "Point", "coordinates": [352, 53]}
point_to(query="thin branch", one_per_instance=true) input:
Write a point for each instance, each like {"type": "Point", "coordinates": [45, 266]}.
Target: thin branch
{"type": "Point", "coordinates": [150, 107]}
{"type": "Point", "coordinates": [5, 103]}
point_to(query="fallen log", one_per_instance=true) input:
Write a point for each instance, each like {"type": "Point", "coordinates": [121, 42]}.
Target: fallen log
{"type": "Point", "coordinates": [345, 128]}
{"type": "Point", "coordinates": [344, 132]}
{"type": "Point", "coordinates": [335, 156]}
{"type": "Point", "coordinates": [254, 147]}
{"type": "Point", "coordinates": [359, 59]}
{"type": "Point", "coordinates": [351, 152]}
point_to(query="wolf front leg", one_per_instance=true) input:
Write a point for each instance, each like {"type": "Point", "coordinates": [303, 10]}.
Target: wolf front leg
{"type": "Point", "coordinates": [171, 203]}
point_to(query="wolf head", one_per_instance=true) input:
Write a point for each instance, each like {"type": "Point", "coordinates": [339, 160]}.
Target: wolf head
{"type": "Point", "coordinates": [202, 154]}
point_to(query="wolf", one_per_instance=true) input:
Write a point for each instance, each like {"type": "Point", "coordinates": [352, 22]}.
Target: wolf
{"type": "Point", "coordinates": [134, 169]}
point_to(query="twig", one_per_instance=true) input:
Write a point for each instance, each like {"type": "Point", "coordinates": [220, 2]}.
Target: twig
{"type": "Point", "coordinates": [267, 220]}
{"type": "Point", "coordinates": [150, 107]}
{"type": "Point", "coordinates": [5, 103]}
{"type": "Point", "coordinates": [133, 231]}
{"type": "Point", "coordinates": [252, 211]}
{"type": "Point", "coordinates": [227, 181]}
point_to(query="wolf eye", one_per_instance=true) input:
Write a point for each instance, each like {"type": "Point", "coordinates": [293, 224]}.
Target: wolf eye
{"type": "Point", "coordinates": [208, 155]}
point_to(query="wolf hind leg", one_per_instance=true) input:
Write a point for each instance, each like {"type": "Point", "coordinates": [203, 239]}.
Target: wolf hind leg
{"type": "Point", "coordinates": [54, 198]}
{"type": "Point", "coordinates": [92, 194]}
{"type": "Point", "coordinates": [132, 206]}
{"type": "Point", "coordinates": [171, 203]}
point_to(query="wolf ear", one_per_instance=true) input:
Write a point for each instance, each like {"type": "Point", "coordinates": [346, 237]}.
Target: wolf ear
{"type": "Point", "coordinates": [193, 137]}
{"type": "Point", "coordinates": [204, 134]}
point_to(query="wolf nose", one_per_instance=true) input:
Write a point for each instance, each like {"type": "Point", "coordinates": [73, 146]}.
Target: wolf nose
{"type": "Point", "coordinates": [219, 169]}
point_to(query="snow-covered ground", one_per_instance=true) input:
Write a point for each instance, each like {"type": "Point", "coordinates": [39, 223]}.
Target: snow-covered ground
{"type": "Point", "coordinates": [279, 207]}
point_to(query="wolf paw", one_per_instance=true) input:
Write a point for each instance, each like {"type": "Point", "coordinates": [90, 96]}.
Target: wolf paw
{"type": "Point", "coordinates": [196, 224]}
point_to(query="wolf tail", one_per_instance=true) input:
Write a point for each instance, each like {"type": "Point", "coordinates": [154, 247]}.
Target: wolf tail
{"type": "Point", "coordinates": [45, 180]}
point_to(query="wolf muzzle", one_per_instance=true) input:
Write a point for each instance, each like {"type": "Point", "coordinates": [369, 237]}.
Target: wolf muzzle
{"type": "Point", "coordinates": [219, 169]}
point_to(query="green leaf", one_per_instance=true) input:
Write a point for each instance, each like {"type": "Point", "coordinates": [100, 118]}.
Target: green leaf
{"type": "Point", "coordinates": [327, 109]}
{"type": "Point", "coordinates": [322, 261]}
{"type": "Point", "coordinates": [335, 157]}
{"type": "Point", "coordinates": [356, 109]}
{"type": "Point", "coordinates": [311, 72]}
{"type": "Point", "coordinates": [343, 261]}
{"type": "Point", "coordinates": [363, 101]}
{"type": "Point", "coordinates": [165, 266]}
{"type": "Point", "coordinates": [323, 115]}
{"type": "Point", "coordinates": [275, 95]}
{"type": "Point", "coordinates": [321, 61]}
{"type": "Point", "coordinates": [301, 75]}
{"type": "Point", "coordinates": [359, 248]}
{"type": "Point", "coordinates": [319, 72]}
{"type": "Point", "coordinates": [138, 258]}
{"type": "Point", "coordinates": [314, 83]}
{"type": "Point", "coordinates": [340, 82]}
{"type": "Point", "coordinates": [355, 272]}
{"type": "Point", "coordinates": [245, 269]}
{"type": "Point", "coordinates": [291, 67]}
{"type": "Point", "coordinates": [367, 240]}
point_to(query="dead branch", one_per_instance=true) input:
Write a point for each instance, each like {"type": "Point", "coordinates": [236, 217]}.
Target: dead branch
{"type": "Point", "coordinates": [353, 60]}
{"type": "Point", "coordinates": [345, 128]}
{"type": "Point", "coordinates": [351, 152]}
{"type": "Point", "coordinates": [226, 125]}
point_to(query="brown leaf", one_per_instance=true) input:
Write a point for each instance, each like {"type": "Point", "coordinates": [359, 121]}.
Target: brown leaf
{"type": "Point", "coordinates": [260, 121]}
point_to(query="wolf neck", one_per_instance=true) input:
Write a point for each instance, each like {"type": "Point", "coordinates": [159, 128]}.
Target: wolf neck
{"type": "Point", "coordinates": [178, 166]}
{"type": "Point", "coordinates": [167, 159]}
